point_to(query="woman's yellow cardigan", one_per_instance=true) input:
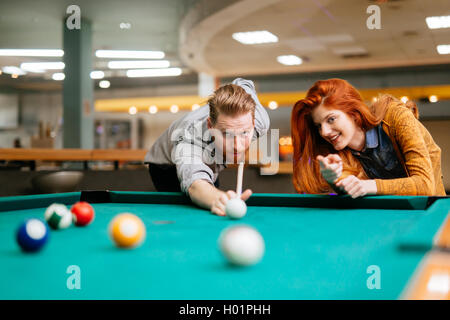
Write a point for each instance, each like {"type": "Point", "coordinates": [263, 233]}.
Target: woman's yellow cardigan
{"type": "Point", "coordinates": [416, 149]}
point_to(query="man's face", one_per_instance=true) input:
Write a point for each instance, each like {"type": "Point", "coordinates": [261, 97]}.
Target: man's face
{"type": "Point", "coordinates": [233, 135]}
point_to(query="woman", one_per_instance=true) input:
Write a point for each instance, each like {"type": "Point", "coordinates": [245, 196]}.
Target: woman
{"type": "Point", "coordinates": [341, 145]}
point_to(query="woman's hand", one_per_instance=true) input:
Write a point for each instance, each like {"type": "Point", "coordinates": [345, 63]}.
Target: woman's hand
{"type": "Point", "coordinates": [356, 187]}
{"type": "Point", "coordinates": [330, 167]}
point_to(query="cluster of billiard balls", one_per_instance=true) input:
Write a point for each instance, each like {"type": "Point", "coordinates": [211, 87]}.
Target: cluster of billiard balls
{"type": "Point", "coordinates": [240, 244]}
{"type": "Point", "coordinates": [125, 229]}
{"type": "Point", "coordinates": [34, 233]}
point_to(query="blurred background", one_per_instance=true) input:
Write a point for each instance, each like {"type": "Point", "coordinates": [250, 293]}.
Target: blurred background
{"type": "Point", "coordinates": [88, 86]}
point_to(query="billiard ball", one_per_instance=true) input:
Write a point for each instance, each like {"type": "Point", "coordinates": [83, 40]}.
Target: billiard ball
{"type": "Point", "coordinates": [242, 245]}
{"type": "Point", "coordinates": [58, 216]}
{"type": "Point", "coordinates": [82, 213]}
{"type": "Point", "coordinates": [32, 235]}
{"type": "Point", "coordinates": [127, 230]}
{"type": "Point", "coordinates": [235, 208]}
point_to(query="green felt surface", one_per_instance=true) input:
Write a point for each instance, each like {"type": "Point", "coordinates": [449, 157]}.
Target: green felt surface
{"type": "Point", "coordinates": [311, 253]}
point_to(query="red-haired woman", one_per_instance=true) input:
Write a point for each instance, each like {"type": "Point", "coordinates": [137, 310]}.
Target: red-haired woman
{"type": "Point", "coordinates": [342, 145]}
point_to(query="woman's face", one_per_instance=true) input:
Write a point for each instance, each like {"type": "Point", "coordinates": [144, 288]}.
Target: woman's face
{"type": "Point", "coordinates": [336, 127]}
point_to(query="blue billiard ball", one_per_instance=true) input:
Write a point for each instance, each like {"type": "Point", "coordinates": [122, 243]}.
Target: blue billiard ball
{"type": "Point", "coordinates": [32, 235]}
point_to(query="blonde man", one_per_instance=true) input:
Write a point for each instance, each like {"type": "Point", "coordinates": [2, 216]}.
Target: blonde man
{"type": "Point", "coordinates": [189, 155]}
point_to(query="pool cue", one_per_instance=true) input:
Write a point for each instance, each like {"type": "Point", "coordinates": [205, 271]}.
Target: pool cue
{"type": "Point", "coordinates": [239, 179]}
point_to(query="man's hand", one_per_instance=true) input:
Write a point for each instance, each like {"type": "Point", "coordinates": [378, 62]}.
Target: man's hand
{"type": "Point", "coordinates": [356, 187]}
{"type": "Point", "coordinates": [205, 195]}
{"type": "Point", "coordinates": [218, 206]}
{"type": "Point", "coordinates": [330, 167]}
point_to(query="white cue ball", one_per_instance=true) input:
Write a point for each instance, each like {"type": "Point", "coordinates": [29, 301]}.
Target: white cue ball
{"type": "Point", "coordinates": [242, 245]}
{"type": "Point", "coordinates": [235, 208]}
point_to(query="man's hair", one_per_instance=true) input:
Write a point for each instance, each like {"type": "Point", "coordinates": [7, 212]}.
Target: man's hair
{"type": "Point", "coordinates": [231, 100]}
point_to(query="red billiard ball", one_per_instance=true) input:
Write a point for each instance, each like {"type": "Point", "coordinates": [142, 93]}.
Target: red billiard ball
{"type": "Point", "coordinates": [82, 213]}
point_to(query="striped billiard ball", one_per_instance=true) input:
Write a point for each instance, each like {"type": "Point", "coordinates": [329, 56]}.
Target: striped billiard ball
{"type": "Point", "coordinates": [58, 216]}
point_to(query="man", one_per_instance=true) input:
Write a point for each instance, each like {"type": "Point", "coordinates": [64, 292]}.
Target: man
{"type": "Point", "coordinates": [189, 155]}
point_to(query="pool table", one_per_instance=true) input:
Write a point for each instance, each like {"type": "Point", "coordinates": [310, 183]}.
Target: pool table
{"type": "Point", "coordinates": [317, 247]}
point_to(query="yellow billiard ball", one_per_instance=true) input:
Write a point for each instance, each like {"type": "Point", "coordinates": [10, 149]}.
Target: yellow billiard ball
{"type": "Point", "coordinates": [127, 230]}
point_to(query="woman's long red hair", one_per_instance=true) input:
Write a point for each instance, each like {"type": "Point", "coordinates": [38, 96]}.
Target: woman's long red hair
{"type": "Point", "coordinates": [307, 142]}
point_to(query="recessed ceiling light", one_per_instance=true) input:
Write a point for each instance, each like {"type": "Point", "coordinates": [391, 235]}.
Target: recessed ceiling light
{"type": "Point", "coordinates": [97, 74]}
{"type": "Point", "coordinates": [195, 106]}
{"type": "Point", "coordinates": [32, 52]}
{"type": "Point", "coordinates": [104, 84]}
{"type": "Point", "coordinates": [438, 22]}
{"type": "Point", "coordinates": [125, 25]}
{"type": "Point", "coordinates": [44, 65]}
{"type": "Point", "coordinates": [58, 76]}
{"type": "Point", "coordinates": [255, 37]}
{"type": "Point", "coordinates": [132, 110]}
{"type": "Point", "coordinates": [443, 48]}
{"type": "Point", "coordinates": [153, 72]}
{"type": "Point", "coordinates": [28, 69]}
{"type": "Point", "coordinates": [13, 70]}
{"type": "Point", "coordinates": [40, 67]}
{"type": "Point", "coordinates": [289, 60]}
{"type": "Point", "coordinates": [174, 108]}
{"type": "Point", "coordinates": [129, 54]}
{"type": "Point", "coordinates": [433, 98]}
{"type": "Point", "coordinates": [153, 109]}
{"type": "Point", "coordinates": [404, 99]}
{"type": "Point", "coordinates": [138, 64]}
{"type": "Point", "coordinates": [273, 105]}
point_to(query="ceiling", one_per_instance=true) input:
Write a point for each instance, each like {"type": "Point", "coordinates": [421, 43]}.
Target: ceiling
{"type": "Point", "coordinates": [196, 34]}
{"type": "Point", "coordinates": [320, 32]}
{"type": "Point", "coordinates": [39, 24]}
